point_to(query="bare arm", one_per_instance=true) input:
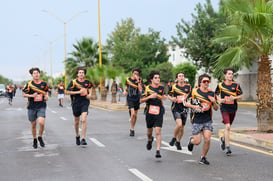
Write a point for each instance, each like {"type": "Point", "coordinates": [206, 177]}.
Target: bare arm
{"type": "Point", "coordinates": [144, 99]}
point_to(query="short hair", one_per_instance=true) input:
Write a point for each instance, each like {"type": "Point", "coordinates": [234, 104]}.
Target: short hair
{"type": "Point", "coordinates": [227, 69]}
{"type": "Point", "coordinates": [201, 77]}
{"type": "Point", "coordinates": [80, 68]}
{"type": "Point", "coordinates": [137, 70]}
{"type": "Point", "coordinates": [153, 73]}
{"type": "Point", "coordinates": [176, 75]}
{"type": "Point", "coordinates": [34, 69]}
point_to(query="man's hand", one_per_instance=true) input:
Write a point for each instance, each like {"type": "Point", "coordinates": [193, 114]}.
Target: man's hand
{"type": "Point", "coordinates": [35, 94]}
{"type": "Point", "coordinates": [125, 93]}
{"type": "Point", "coordinates": [153, 96]}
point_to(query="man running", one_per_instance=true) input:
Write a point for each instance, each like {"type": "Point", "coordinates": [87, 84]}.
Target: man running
{"type": "Point", "coordinates": [202, 102]}
{"type": "Point", "coordinates": [80, 89]}
{"type": "Point", "coordinates": [60, 92]}
{"type": "Point", "coordinates": [229, 92]}
{"type": "Point", "coordinates": [36, 92]}
{"type": "Point", "coordinates": [10, 90]}
{"type": "Point", "coordinates": [133, 92]}
{"type": "Point", "coordinates": [178, 94]}
{"type": "Point", "coordinates": [153, 96]}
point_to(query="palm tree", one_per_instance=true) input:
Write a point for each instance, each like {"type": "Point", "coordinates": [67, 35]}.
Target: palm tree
{"type": "Point", "coordinates": [86, 54]}
{"type": "Point", "coordinates": [93, 75]}
{"type": "Point", "coordinates": [250, 32]}
{"type": "Point", "coordinates": [112, 73]}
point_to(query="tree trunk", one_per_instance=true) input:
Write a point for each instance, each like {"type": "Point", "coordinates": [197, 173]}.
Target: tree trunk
{"type": "Point", "coordinates": [94, 94]}
{"type": "Point", "coordinates": [114, 92]}
{"type": "Point", "coordinates": [264, 95]}
{"type": "Point", "coordinates": [104, 93]}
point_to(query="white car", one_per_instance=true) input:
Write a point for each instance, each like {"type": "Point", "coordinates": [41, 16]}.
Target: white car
{"type": "Point", "coordinates": [2, 90]}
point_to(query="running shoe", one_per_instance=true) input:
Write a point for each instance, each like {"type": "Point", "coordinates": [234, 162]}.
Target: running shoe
{"type": "Point", "coordinates": [132, 132]}
{"type": "Point", "coordinates": [178, 146]}
{"type": "Point", "coordinates": [172, 141]}
{"type": "Point", "coordinates": [40, 139]}
{"type": "Point", "coordinates": [228, 153]}
{"type": "Point", "coordinates": [35, 144]}
{"type": "Point", "coordinates": [157, 155]}
{"type": "Point", "coordinates": [190, 145]}
{"type": "Point", "coordinates": [222, 144]}
{"type": "Point", "coordinates": [149, 144]}
{"type": "Point", "coordinates": [83, 142]}
{"type": "Point", "coordinates": [78, 140]}
{"type": "Point", "coordinates": [204, 160]}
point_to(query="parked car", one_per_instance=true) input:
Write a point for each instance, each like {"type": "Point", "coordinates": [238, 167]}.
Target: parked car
{"type": "Point", "coordinates": [2, 90]}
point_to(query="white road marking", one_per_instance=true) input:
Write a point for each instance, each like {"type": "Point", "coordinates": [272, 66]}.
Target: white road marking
{"type": "Point", "coordinates": [173, 148]}
{"type": "Point", "coordinates": [99, 144]}
{"type": "Point", "coordinates": [139, 174]}
{"type": "Point", "coordinates": [54, 112]}
{"type": "Point", "coordinates": [63, 118]}
{"type": "Point", "coordinates": [14, 109]}
{"type": "Point", "coordinates": [184, 150]}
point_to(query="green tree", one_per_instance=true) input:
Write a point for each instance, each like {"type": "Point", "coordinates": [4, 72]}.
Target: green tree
{"type": "Point", "coordinates": [165, 70]}
{"type": "Point", "coordinates": [86, 54]}
{"type": "Point", "coordinates": [196, 37]}
{"type": "Point", "coordinates": [250, 29]}
{"type": "Point", "coordinates": [4, 80]}
{"type": "Point", "coordinates": [189, 70]}
{"type": "Point", "coordinates": [129, 48]}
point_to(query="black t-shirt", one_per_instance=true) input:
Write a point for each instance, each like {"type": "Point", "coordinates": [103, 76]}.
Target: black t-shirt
{"type": "Point", "coordinates": [155, 102]}
{"type": "Point", "coordinates": [60, 89]}
{"type": "Point", "coordinates": [225, 90]}
{"type": "Point", "coordinates": [41, 89]}
{"type": "Point", "coordinates": [76, 85]}
{"type": "Point", "coordinates": [181, 94]}
{"type": "Point", "coordinates": [198, 97]}
{"type": "Point", "coordinates": [132, 89]}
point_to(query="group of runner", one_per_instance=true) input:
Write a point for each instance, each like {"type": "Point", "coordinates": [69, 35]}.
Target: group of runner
{"type": "Point", "coordinates": [198, 102]}
{"type": "Point", "coordinates": [201, 100]}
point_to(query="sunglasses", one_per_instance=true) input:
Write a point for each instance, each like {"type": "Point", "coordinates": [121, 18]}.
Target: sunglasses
{"type": "Point", "coordinates": [205, 81]}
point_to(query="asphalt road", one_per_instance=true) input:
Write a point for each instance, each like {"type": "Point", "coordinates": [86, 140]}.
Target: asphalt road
{"type": "Point", "coordinates": [111, 155]}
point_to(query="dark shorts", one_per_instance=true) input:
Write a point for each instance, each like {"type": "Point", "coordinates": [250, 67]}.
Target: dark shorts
{"type": "Point", "coordinates": [33, 114]}
{"type": "Point", "coordinates": [197, 128]}
{"type": "Point", "coordinates": [228, 117]}
{"type": "Point", "coordinates": [10, 95]}
{"type": "Point", "coordinates": [133, 104]}
{"type": "Point", "coordinates": [154, 120]}
{"type": "Point", "coordinates": [182, 116]}
{"type": "Point", "coordinates": [79, 109]}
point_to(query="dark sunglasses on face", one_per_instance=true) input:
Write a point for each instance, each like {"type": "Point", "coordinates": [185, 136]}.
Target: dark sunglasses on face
{"type": "Point", "coordinates": [205, 81]}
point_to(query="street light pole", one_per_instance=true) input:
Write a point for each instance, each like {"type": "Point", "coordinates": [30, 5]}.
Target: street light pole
{"type": "Point", "coordinates": [100, 61]}
{"type": "Point", "coordinates": [64, 23]}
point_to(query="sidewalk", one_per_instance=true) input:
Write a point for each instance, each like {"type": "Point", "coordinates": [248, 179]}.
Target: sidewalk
{"type": "Point", "coordinates": [119, 106]}
{"type": "Point", "coordinates": [251, 136]}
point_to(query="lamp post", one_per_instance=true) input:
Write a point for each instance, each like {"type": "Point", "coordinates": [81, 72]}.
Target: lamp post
{"type": "Point", "coordinates": [64, 23]}
{"type": "Point", "coordinates": [100, 62]}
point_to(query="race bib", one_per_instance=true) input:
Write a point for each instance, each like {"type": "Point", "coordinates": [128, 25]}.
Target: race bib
{"type": "Point", "coordinates": [228, 100]}
{"type": "Point", "coordinates": [154, 110]}
{"type": "Point", "coordinates": [38, 98]}
{"type": "Point", "coordinates": [180, 99]}
{"type": "Point", "coordinates": [85, 92]}
{"type": "Point", "coordinates": [205, 106]}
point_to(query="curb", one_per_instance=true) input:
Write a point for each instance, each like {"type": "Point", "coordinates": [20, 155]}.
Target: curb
{"type": "Point", "coordinates": [110, 106]}
{"type": "Point", "coordinates": [247, 103]}
{"type": "Point", "coordinates": [248, 139]}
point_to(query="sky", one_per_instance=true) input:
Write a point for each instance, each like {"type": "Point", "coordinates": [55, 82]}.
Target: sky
{"type": "Point", "coordinates": [29, 27]}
